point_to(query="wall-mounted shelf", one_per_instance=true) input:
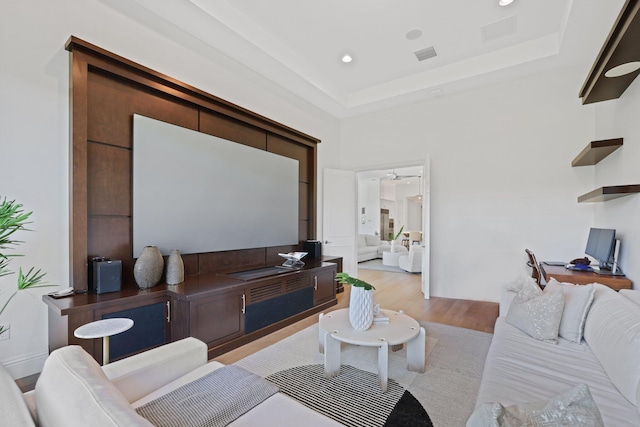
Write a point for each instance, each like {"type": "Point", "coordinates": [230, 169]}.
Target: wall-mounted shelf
{"type": "Point", "coordinates": [603, 194]}
{"type": "Point", "coordinates": [620, 47]}
{"type": "Point", "coordinates": [596, 151]}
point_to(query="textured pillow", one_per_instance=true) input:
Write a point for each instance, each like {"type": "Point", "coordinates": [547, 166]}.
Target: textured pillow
{"type": "Point", "coordinates": [372, 240]}
{"type": "Point", "coordinates": [522, 282]}
{"type": "Point", "coordinates": [537, 313]}
{"type": "Point", "coordinates": [577, 301]}
{"type": "Point", "coordinates": [574, 407]}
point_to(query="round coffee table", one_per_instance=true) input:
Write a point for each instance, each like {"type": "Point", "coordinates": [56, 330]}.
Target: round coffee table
{"type": "Point", "coordinates": [104, 329]}
{"type": "Point", "coordinates": [335, 328]}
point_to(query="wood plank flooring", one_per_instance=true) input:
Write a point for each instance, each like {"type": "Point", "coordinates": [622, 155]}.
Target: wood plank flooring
{"type": "Point", "coordinates": [395, 291]}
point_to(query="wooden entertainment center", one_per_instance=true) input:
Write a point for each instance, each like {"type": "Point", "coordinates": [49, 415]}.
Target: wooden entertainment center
{"type": "Point", "coordinates": [222, 310]}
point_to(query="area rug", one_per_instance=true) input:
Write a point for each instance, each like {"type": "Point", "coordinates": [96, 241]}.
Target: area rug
{"type": "Point", "coordinates": [353, 398]}
{"type": "Point", "coordinates": [447, 390]}
{"type": "Point", "coordinates": [376, 264]}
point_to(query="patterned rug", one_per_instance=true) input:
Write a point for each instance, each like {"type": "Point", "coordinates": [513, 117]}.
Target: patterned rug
{"type": "Point", "coordinates": [353, 398]}
{"type": "Point", "coordinates": [447, 390]}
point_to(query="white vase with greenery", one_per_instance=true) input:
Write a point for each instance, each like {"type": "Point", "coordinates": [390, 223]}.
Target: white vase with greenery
{"type": "Point", "coordinates": [360, 301]}
{"type": "Point", "coordinates": [393, 238]}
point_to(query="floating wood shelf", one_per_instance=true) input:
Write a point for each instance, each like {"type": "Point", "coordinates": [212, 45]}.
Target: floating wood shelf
{"type": "Point", "coordinates": [620, 47]}
{"type": "Point", "coordinates": [603, 194]}
{"type": "Point", "coordinates": [596, 151]}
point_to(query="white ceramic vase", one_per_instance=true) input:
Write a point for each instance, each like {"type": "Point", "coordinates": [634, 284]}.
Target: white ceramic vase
{"type": "Point", "coordinates": [361, 308]}
{"type": "Point", "coordinates": [148, 267]}
{"type": "Point", "coordinates": [393, 246]}
{"type": "Point", "coordinates": [175, 268]}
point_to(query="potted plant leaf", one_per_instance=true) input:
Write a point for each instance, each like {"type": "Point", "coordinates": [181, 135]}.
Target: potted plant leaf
{"type": "Point", "coordinates": [360, 301]}
{"type": "Point", "coordinates": [393, 238]}
{"type": "Point", "coordinates": [13, 218]}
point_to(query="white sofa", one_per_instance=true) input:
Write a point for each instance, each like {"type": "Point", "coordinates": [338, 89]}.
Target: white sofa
{"type": "Point", "coordinates": [520, 369]}
{"type": "Point", "coordinates": [412, 262]}
{"type": "Point", "coordinates": [371, 247]}
{"type": "Point", "coordinates": [73, 390]}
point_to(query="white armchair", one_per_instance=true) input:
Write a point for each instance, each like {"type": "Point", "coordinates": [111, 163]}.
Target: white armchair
{"type": "Point", "coordinates": [412, 262]}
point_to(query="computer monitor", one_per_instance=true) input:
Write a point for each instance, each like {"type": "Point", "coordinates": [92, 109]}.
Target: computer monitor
{"type": "Point", "coordinates": [600, 245]}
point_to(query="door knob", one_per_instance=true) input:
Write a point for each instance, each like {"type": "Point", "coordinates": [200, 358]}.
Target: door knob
{"type": "Point", "coordinates": [326, 242]}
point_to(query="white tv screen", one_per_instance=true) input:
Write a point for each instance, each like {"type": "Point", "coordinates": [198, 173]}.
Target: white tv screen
{"type": "Point", "coordinates": [200, 193]}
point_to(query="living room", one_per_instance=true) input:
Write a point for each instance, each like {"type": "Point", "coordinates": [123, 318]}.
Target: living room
{"type": "Point", "coordinates": [501, 178]}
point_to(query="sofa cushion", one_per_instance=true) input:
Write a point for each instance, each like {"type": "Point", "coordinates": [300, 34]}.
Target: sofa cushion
{"type": "Point", "coordinates": [612, 330]}
{"type": "Point", "coordinates": [70, 374]}
{"type": "Point", "coordinates": [362, 240]}
{"type": "Point", "coordinates": [577, 301]}
{"type": "Point", "coordinates": [574, 407]}
{"type": "Point", "coordinates": [537, 313]}
{"type": "Point", "coordinates": [13, 407]}
{"type": "Point", "coordinates": [372, 240]}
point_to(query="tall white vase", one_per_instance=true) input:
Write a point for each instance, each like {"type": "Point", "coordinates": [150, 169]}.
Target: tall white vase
{"type": "Point", "coordinates": [175, 268]}
{"type": "Point", "coordinates": [361, 308]}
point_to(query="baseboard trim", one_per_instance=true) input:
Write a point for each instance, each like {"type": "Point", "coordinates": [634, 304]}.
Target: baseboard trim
{"type": "Point", "coordinates": [21, 367]}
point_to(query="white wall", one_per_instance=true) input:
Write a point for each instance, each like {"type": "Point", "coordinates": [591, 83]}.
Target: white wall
{"type": "Point", "coordinates": [619, 118]}
{"type": "Point", "coordinates": [34, 131]}
{"type": "Point", "coordinates": [501, 179]}
{"type": "Point", "coordinates": [369, 199]}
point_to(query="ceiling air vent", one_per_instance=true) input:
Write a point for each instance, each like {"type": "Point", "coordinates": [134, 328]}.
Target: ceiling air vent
{"type": "Point", "coordinates": [427, 53]}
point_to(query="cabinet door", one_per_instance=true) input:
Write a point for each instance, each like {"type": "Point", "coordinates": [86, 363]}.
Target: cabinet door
{"type": "Point", "coordinates": [324, 285]}
{"type": "Point", "coordinates": [217, 318]}
{"type": "Point", "coordinates": [150, 328]}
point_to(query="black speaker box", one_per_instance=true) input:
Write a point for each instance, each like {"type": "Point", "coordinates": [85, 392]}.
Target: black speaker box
{"type": "Point", "coordinates": [313, 248]}
{"type": "Point", "coordinates": [106, 277]}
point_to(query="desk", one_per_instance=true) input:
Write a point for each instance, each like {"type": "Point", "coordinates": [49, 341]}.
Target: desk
{"type": "Point", "coordinates": [562, 274]}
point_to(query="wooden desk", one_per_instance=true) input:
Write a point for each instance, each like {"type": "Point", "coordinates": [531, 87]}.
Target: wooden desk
{"type": "Point", "coordinates": [562, 274]}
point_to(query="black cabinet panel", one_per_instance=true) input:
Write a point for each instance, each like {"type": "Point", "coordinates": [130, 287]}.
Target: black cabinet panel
{"type": "Point", "coordinates": [148, 330]}
{"type": "Point", "coordinates": [270, 311]}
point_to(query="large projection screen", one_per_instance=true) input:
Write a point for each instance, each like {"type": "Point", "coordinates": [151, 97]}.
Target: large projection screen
{"type": "Point", "coordinates": [200, 193]}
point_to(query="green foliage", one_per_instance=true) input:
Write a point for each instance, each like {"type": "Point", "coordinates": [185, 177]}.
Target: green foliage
{"type": "Point", "coordinates": [13, 218]}
{"type": "Point", "coordinates": [392, 237]}
{"type": "Point", "coordinates": [345, 279]}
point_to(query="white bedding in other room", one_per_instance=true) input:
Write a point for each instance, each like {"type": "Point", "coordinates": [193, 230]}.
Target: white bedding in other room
{"type": "Point", "coordinates": [520, 369]}
{"type": "Point", "coordinates": [277, 411]}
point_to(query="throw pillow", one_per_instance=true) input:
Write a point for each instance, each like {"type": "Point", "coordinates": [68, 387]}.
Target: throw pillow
{"type": "Point", "coordinates": [537, 313]}
{"type": "Point", "coordinates": [577, 301]}
{"type": "Point", "coordinates": [522, 282]}
{"type": "Point", "coordinates": [574, 407]}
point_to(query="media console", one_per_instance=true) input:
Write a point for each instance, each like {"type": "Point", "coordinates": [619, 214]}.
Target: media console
{"type": "Point", "coordinates": [221, 310]}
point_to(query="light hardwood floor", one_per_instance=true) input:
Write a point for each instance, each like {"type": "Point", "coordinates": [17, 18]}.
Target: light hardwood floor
{"type": "Point", "coordinates": [395, 291]}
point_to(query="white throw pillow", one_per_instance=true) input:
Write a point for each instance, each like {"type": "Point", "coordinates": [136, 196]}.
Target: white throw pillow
{"type": "Point", "coordinates": [537, 313]}
{"type": "Point", "coordinates": [577, 301]}
{"type": "Point", "coordinates": [373, 240]}
{"type": "Point", "coordinates": [522, 282]}
{"type": "Point", "coordinates": [574, 407]}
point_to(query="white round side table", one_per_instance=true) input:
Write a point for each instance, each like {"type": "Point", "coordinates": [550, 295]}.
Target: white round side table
{"type": "Point", "coordinates": [104, 329]}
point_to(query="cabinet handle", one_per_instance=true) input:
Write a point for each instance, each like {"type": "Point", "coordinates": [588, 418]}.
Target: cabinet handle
{"type": "Point", "coordinates": [168, 311]}
{"type": "Point", "coordinates": [315, 283]}
{"type": "Point", "coordinates": [244, 304]}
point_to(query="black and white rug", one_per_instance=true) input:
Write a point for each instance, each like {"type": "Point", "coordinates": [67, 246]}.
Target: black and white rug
{"type": "Point", "coordinates": [446, 391]}
{"type": "Point", "coordinates": [353, 398]}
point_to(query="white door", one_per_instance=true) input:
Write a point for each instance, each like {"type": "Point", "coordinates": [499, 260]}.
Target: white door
{"type": "Point", "coordinates": [339, 217]}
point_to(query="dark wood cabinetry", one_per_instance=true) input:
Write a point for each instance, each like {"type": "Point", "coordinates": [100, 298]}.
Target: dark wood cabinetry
{"type": "Point", "coordinates": [223, 311]}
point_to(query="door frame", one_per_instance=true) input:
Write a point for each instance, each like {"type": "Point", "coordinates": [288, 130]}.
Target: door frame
{"type": "Point", "coordinates": [425, 163]}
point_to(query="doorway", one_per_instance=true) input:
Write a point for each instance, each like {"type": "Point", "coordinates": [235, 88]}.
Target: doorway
{"type": "Point", "coordinates": [393, 201]}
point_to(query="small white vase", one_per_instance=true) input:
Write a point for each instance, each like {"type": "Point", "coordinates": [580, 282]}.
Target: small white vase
{"type": "Point", "coordinates": [175, 268]}
{"type": "Point", "coordinates": [393, 246]}
{"type": "Point", "coordinates": [148, 267]}
{"type": "Point", "coordinates": [360, 308]}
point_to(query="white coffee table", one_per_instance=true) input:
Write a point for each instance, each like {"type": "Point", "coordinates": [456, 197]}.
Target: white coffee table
{"type": "Point", "coordinates": [334, 328]}
{"type": "Point", "coordinates": [391, 258]}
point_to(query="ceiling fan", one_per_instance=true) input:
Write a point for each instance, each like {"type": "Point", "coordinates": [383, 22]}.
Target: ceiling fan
{"type": "Point", "coordinates": [393, 176]}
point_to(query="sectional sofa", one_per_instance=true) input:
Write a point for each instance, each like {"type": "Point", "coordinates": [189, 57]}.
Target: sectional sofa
{"type": "Point", "coordinates": [530, 368]}
{"type": "Point", "coordinates": [73, 390]}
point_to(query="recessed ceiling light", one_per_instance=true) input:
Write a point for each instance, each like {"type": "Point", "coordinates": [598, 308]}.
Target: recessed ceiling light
{"type": "Point", "coordinates": [347, 58]}
{"type": "Point", "coordinates": [413, 34]}
{"type": "Point", "coordinates": [505, 2]}
{"type": "Point", "coordinates": [623, 69]}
